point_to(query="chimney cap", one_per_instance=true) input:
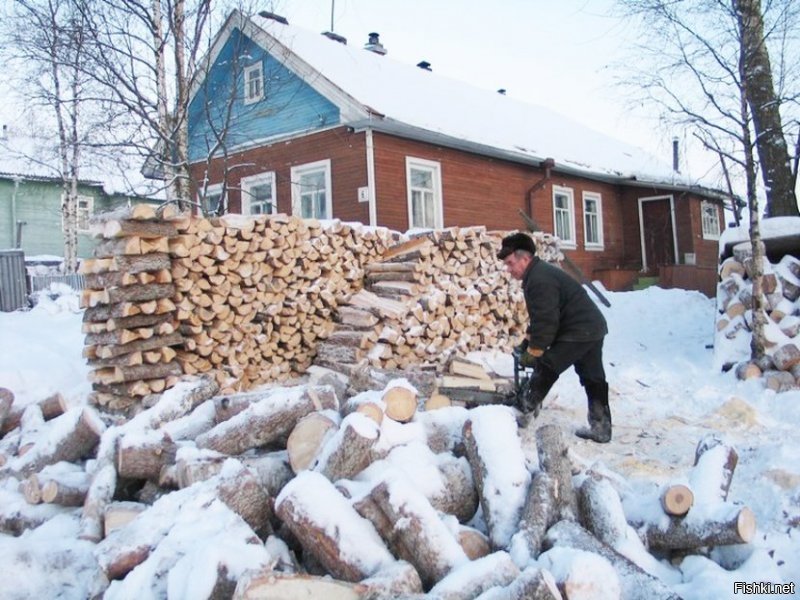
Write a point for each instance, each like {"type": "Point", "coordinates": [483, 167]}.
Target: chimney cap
{"type": "Point", "coordinates": [424, 64]}
{"type": "Point", "coordinates": [374, 44]}
{"type": "Point", "coordinates": [335, 37]}
{"type": "Point", "coordinates": [502, 91]}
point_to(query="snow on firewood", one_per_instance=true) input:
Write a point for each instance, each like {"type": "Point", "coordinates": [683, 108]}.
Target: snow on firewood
{"type": "Point", "coordinates": [477, 576]}
{"type": "Point", "coordinates": [348, 451]}
{"type": "Point", "coordinates": [329, 528]}
{"type": "Point", "coordinates": [499, 469]}
{"type": "Point", "coordinates": [205, 538]}
{"type": "Point", "coordinates": [582, 575]}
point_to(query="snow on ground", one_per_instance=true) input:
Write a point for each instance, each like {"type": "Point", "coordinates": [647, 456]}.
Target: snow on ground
{"type": "Point", "coordinates": [665, 395]}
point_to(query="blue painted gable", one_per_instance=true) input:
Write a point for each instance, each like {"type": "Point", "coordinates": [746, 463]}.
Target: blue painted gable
{"type": "Point", "coordinates": [218, 109]}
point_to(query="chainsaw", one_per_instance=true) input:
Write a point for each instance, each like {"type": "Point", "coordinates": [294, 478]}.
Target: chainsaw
{"type": "Point", "coordinates": [522, 381]}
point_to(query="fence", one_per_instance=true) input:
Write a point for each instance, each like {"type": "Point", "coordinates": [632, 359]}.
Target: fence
{"type": "Point", "coordinates": [42, 282]}
{"type": "Point", "coordinates": [13, 288]}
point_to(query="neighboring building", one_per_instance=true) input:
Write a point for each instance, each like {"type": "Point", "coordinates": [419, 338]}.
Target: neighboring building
{"type": "Point", "coordinates": [322, 129]}
{"type": "Point", "coordinates": [30, 205]}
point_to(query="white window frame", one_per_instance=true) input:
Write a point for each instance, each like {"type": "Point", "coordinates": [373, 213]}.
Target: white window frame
{"type": "Point", "coordinates": [568, 212]}
{"type": "Point", "coordinates": [248, 200]}
{"type": "Point", "coordinates": [253, 74]}
{"type": "Point", "coordinates": [297, 173]}
{"type": "Point", "coordinates": [711, 230]}
{"type": "Point", "coordinates": [87, 211]}
{"type": "Point", "coordinates": [213, 190]}
{"type": "Point", "coordinates": [435, 168]}
{"type": "Point", "coordinates": [597, 244]}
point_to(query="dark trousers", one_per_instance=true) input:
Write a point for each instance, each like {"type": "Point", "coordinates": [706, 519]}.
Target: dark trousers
{"type": "Point", "coordinates": [586, 357]}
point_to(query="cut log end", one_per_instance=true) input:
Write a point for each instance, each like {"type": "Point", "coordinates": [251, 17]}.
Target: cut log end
{"type": "Point", "coordinates": [746, 525]}
{"type": "Point", "coordinates": [401, 403]}
{"type": "Point", "coordinates": [676, 500]}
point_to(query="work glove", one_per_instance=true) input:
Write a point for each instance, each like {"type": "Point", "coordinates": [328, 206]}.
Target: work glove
{"type": "Point", "coordinates": [521, 347]}
{"type": "Point", "coordinates": [530, 358]}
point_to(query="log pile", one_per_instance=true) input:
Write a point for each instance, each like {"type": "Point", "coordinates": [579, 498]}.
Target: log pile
{"type": "Point", "coordinates": [780, 368]}
{"type": "Point", "coordinates": [254, 295]}
{"type": "Point", "coordinates": [297, 492]}
{"type": "Point", "coordinates": [440, 294]}
{"type": "Point", "coordinates": [130, 317]}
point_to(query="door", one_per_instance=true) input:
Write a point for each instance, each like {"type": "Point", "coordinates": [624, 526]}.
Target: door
{"type": "Point", "coordinates": [657, 226]}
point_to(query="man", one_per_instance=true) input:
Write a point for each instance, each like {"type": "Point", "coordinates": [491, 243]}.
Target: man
{"type": "Point", "coordinates": [566, 329]}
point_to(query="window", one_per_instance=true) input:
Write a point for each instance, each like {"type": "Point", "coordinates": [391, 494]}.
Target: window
{"type": "Point", "coordinates": [253, 83]}
{"type": "Point", "coordinates": [710, 217]}
{"type": "Point", "coordinates": [85, 208]}
{"type": "Point", "coordinates": [592, 220]}
{"type": "Point", "coordinates": [258, 194]}
{"type": "Point", "coordinates": [215, 200]}
{"type": "Point", "coordinates": [423, 178]}
{"type": "Point", "coordinates": [564, 215]}
{"type": "Point", "coordinates": [311, 184]}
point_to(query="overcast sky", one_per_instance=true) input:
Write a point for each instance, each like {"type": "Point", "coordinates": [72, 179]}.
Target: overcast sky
{"type": "Point", "coordinates": [563, 55]}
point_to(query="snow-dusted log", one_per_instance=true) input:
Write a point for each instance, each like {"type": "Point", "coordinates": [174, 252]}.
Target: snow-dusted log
{"type": "Point", "coordinates": [676, 499]}
{"type": "Point", "coordinates": [417, 533]}
{"type": "Point", "coordinates": [188, 427]}
{"type": "Point", "coordinates": [307, 438]}
{"type": "Point", "coordinates": [178, 401]}
{"type": "Point", "coordinates": [534, 583]}
{"type": "Point", "coordinates": [397, 580]}
{"type": "Point", "coordinates": [553, 460]}
{"type": "Point", "coordinates": [400, 402]}
{"type": "Point", "coordinates": [142, 456]}
{"type": "Point", "coordinates": [538, 514]}
{"type": "Point", "coordinates": [192, 466]}
{"type": "Point", "coordinates": [64, 489]}
{"type": "Point", "coordinates": [583, 575]}
{"type": "Point", "coordinates": [600, 510]}
{"type": "Point", "coordinates": [714, 463]}
{"type": "Point", "coordinates": [330, 529]}
{"type": "Point", "coordinates": [271, 584]}
{"type": "Point", "coordinates": [70, 437]}
{"type": "Point", "coordinates": [239, 489]}
{"type": "Point", "coordinates": [498, 467]}
{"type": "Point", "coordinates": [271, 470]}
{"type": "Point", "coordinates": [458, 495]}
{"type": "Point", "coordinates": [30, 427]}
{"type": "Point", "coordinates": [475, 577]}
{"type": "Point", "coordinates": [268, 420]}
{"type": "Point", "coordinates": [100, 493]}
{"type": "Point", "coordinates": [725, 524]}
{"type": "Point", "coordinates": [349, 451]}
{"type": "Point", "coordinates": [634, 581]}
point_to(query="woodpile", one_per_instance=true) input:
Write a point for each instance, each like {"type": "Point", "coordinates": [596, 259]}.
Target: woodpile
{"type": "Point", "coordinates": [254, 300]}
{"type": "Point", "coordinates": [438, 295]}
{"type": "Point", "coordinates": [780, 368]}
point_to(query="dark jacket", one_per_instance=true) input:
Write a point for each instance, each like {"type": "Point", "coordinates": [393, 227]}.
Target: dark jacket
{"type": "Point", "coordinates": [559, 307]}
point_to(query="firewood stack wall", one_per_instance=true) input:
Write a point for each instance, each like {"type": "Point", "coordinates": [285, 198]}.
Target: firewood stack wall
{"type": "Point", "coordinates": [253, 300]}
{"type": "Point", "coordinates": [780, 368]}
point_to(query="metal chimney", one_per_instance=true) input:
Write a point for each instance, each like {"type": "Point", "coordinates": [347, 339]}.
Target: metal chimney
{"type": "Point", "coordinates": [374, 44]}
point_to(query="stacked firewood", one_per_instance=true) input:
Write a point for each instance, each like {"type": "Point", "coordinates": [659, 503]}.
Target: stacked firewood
{"type": "Point", "coordinates": [130, 317]}
{"type": "Point", "coordinates": [288, 492]}
{"type": "Point", "coordinates": [255, 294]}
{"type": "Point", "coordinates": [780, 368]}
{"type": "Point", "coordinates": [439, 294]}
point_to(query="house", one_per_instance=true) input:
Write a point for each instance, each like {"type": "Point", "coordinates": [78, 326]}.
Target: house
{"type": "Point", "coordinates": [285, 120]}
{"type": "Point", "coordinates": [30, 202]}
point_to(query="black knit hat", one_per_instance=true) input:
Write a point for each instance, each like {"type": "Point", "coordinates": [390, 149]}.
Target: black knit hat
{"type": "Point", "coordinates": [516, 241]}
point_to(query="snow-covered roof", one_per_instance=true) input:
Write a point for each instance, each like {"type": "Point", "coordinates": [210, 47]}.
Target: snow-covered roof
{"type": "Point", "coordinates": [376, 91]}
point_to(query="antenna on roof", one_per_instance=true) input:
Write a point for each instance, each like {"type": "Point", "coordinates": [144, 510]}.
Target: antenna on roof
{"type": "Point", "coordinates": [333, 3]}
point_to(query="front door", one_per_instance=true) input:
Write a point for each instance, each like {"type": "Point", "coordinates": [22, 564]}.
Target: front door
{"type": "Point", "coordinates": [657, 232]}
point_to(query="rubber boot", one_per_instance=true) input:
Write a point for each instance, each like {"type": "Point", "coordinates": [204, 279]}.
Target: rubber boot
{"type": "Point", "coordinates": [599, 429]}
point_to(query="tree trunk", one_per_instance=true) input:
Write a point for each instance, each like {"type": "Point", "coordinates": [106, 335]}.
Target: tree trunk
{"type": "Point", "coordinates": [764, 106]}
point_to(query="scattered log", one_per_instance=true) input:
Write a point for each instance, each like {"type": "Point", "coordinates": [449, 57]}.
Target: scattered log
{"type": "Point", "coordinates": [98, 497]}
{"type": "Point", "coordinates": [330, 529]}
{"type": "Point", "coordinates": [495, 456]}
{"type": "Point", "coordinates": [634, 581]}
{"type": "Point", "coordinates": [729, 524]}
{"type": "Point", "coordinates": [400, 402]}
{"type": "Point", "coordinates": [538, 514]}
{"type": "Point", "coordinates": [474, 543]}
{"type": "Point", "coordinates": [268, 420]}
{"type": "Point", "coordinates": [119, 514]}
{"type": "Point", "coordinates": [459, 495]}
{"type": "Point", "coordinates": [6, 400]}
{"type": "Point", "coordinates": [143, 457]}
{"type": "Point", "coordinates": [601, 511]}
{"type": "Point", "coordinates": [398, 580]}
{"type": "Point", "coordinates": [425, 540]}
{"type": "Point", "coordinates": [475, 577]}
{"type": "Point", "coordinates": [271, 584]}
{"type": "Point", "coordinates": [349, 450]}
{"type": "Point", "coordinates": [534, 583]}
{"type": "Point", "coordinates": [554, 460]}
{"type": "Point", "coordinates": [714, 464]}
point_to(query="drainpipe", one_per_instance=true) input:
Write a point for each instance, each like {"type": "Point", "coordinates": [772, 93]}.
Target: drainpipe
{"type": "Point", "coordinates": [15, 225]}
{"type": "Point", "coordinates": [548, 164]}
{"type": "Point", "coordinates": [373, 209]}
